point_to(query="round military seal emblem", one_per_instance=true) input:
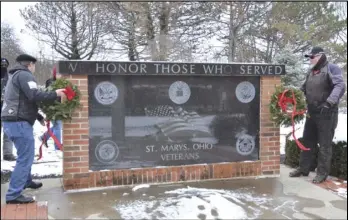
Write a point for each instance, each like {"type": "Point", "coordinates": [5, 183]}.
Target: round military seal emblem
{"type": "Point", "coordinates": [245, 144]}
{"type": "Point", "coordinates": [179, 92]}
{"type": "Point", "coordinates": [245, 92]}
{"type": "Point", "coordinates": [106, 93]}
{"type": "Point", "coordinates": [106, 152]}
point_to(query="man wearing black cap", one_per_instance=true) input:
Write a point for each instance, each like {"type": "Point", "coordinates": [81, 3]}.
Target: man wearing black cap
{"type": "Point", "coordinates": [324, 87]}
{"type": "Point", "coordinates": [18, 115]}
{"type": "Point", "coordinates": [7, 145]}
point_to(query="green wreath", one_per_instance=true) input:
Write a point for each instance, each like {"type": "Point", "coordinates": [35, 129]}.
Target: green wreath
{"type": "Point", "coordinates": [278, 116]}
{"type": "Point", "coordinates": [62, 110]}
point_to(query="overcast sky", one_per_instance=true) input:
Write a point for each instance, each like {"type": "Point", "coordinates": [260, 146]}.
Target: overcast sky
{"type": "Point", "coordinates": [10, 14]}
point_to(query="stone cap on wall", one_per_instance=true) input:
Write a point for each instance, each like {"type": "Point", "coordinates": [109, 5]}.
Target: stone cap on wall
{"type": "Point", "coordinates": [81, 67]}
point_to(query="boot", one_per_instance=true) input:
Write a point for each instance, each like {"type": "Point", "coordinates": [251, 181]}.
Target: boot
{"type": "Point", "coordinates": [33, 185]}
{"type": "Point", "coordinates": [298, 173]}
{"type": "Point", "coordinates": [10, 157]}
{"type": "Point", "coordinates": [319, 179]}
{"type": "Point", "coordinates": [21, 200]}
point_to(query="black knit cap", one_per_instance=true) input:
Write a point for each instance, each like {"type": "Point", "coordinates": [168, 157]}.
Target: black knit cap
{"type": "Point", "coordinates": [26, 57]}
{"type": "Point", "coordinates": [314, 51]}
{"type": "Point", "coordinates": [4, 62]}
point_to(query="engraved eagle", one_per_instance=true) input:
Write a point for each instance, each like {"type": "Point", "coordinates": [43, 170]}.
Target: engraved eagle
{"type": "Point", "coordinates": [246, 92]}
{"type": "Point", "coordinates": [106, 93]}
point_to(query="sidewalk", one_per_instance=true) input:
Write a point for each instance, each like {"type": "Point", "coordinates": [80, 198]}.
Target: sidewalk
{"type": "Point", "coordinates": [271, 198]}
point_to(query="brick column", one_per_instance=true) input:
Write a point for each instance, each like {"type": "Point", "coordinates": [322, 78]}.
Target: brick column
{"type": "Point", "coordinates": [76, 137]}
{"type": "Point", "coordinates": [269, 132]}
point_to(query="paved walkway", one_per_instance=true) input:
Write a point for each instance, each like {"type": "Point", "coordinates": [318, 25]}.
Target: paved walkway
{"type": "Point", "coordinates": [271, 198]}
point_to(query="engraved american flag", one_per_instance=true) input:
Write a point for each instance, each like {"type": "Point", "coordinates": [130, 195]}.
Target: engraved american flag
{"type": "Point", "coordinates": [181, 124]}
{"type": "Point", "coordinates": [169, 111]}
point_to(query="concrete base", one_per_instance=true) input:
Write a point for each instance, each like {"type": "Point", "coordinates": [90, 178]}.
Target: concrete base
{"type": "Point", "coordinates": [274, 198]}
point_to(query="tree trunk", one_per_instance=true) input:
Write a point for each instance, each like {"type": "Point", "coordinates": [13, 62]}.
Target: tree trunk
{"type": "Point", "coordinates": [163, 38]}
{"type": "Point", "coordinates": [231, 43]}
{"type": "Point", "coordinates": [74, 43]}
{"type": "Point", "coordinates": [150, 32]}
{"type": "Point", "coordinates": [132, 42]}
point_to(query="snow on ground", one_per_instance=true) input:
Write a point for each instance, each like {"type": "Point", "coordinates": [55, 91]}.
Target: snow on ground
{"type": "Point", "coordinates": [200, 203]}
{"type": "Point", "coordinates": [48, 166]}
{"type": "Point", "coordinates": [340, 133]}
{"type": "Point", "coordinates": [142, 186]}
{"type": "Point", "coordinates": [342, 192]}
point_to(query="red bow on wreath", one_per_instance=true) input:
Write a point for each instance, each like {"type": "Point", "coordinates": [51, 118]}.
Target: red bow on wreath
{"type": "Point", "coordinates": [70, 93]}
{"type": "Point", "coordinates": [283, 102]}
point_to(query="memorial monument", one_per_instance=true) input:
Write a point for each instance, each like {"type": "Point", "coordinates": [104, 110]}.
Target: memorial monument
{"type": "Point", "coordinates": [154, 122]}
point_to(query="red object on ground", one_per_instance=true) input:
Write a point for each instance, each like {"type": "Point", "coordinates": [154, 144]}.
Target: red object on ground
{"type": "Point", "coordinates": [283, 101]}
{"type": "Point", "coordinates": [56, 141]}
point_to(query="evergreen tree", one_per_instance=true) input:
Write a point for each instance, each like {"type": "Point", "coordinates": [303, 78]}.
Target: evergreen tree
{"type": "Point", "coordinates": [294, 66]}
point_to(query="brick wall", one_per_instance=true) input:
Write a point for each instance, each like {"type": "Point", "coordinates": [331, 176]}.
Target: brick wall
{"type": "Point", "coordinates": [75, 135]}
{"type": "Point", "coordinates": [269, 133]}
{"type": "Point", "coordinates": [76, 173]}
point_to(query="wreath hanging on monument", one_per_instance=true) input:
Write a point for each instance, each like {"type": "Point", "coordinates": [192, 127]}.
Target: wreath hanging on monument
{"type": "Point", "coordinates": [62, 110]}
{"type": "Point", "coordinates": [285, 102]}
{"type": "Point", "coordinates": [288, 107]}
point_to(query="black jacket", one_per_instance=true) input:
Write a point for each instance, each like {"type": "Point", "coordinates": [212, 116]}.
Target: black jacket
{"type": "Point", "coordinates": [326, 86]}
{"type": "Point", "coordinates": [22, 96]}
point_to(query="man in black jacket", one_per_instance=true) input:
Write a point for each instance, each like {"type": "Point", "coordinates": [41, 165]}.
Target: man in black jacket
{"type": "Point", "coordinates": [323, 88]}
{"type": "Point", "coordinates": [18, 115]}
{"type": "Point", "coordinates": [7, 145]}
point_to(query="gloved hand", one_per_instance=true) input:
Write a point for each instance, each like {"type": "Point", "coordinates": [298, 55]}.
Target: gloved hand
{"type": "Point", "coordinates": [42, 122]}
{"type": "Point", "coordinates": [325, 108]}
{"type": "Point", "coordinates": [41, 119]}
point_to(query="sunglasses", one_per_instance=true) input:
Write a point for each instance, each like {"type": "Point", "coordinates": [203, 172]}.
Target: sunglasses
{"type": "Point", "coordinates": [313, 56]}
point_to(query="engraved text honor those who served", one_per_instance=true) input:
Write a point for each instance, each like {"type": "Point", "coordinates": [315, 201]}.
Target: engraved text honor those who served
{"type": "Point", "coordinates": [150, 68]}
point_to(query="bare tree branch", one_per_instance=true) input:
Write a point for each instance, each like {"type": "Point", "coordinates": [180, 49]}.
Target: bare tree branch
{"type": "Point", "coordinates": [76, 30]}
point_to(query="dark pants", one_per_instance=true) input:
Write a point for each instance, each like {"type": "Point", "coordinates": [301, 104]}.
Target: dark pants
{"type": "Point", "coordinates": [319, 129]}
{"type": "Point", "coordinates": [21, 133]}
{"type": "Point", "coordinates": [7, 145]}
